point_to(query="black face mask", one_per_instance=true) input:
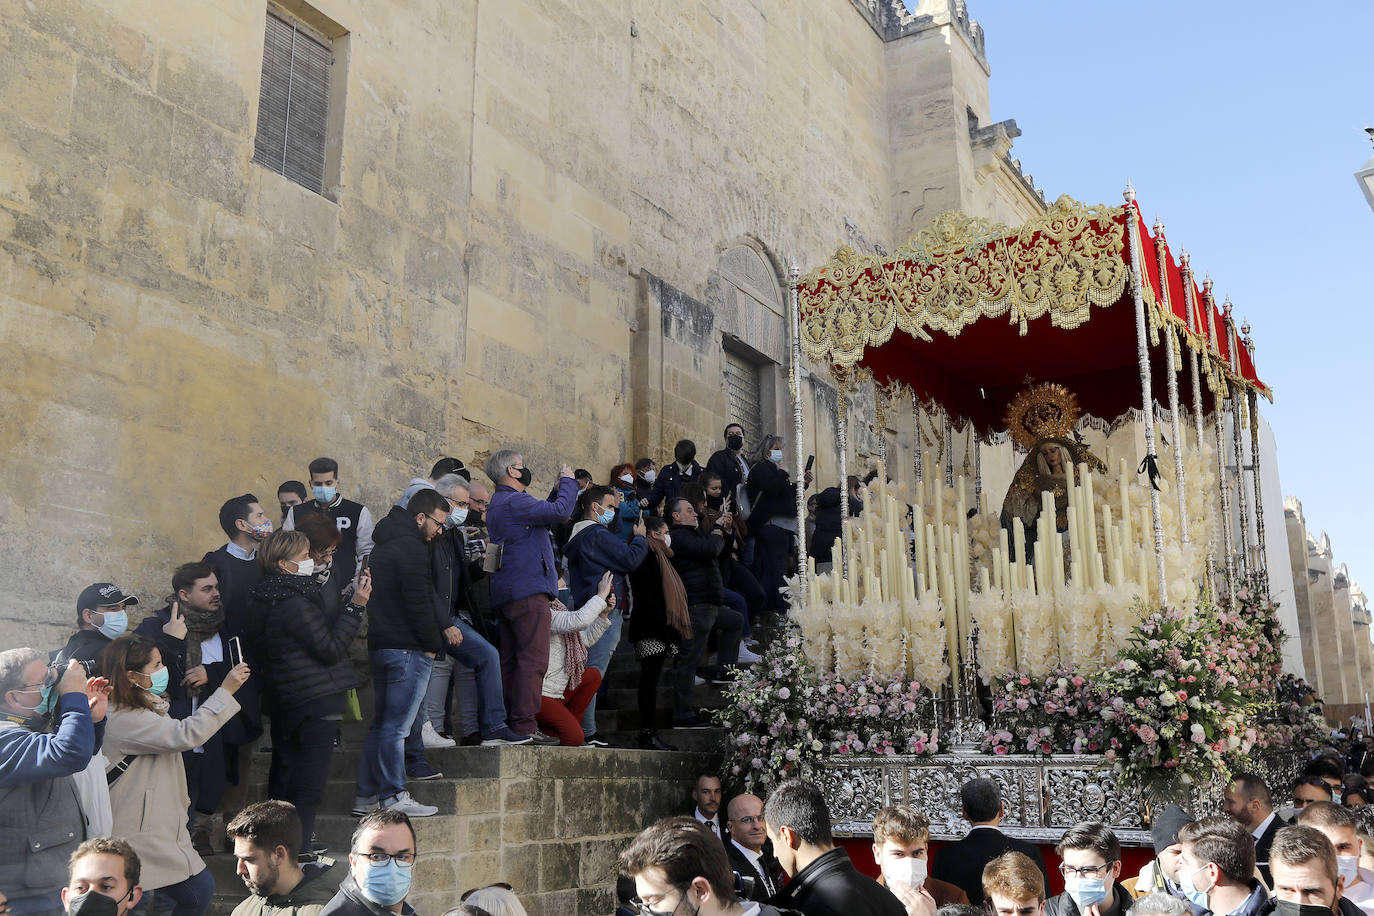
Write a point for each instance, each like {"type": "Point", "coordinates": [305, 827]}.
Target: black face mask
{"type": "Point", "coordinates": [524, 476]}
{"type": "Point", "coordinates": [1289, 908]}
{"type": "Point", "coordinates": [715, 502]}
{"type": "Point", "coordinates": [734, 443]}
{"type": "Point", "coordinates": [94, 903]}
{"type": "Point", "coordinates": [474, 519]}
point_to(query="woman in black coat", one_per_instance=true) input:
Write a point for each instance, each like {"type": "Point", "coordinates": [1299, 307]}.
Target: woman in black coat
{"type": "Point", "coordinates": [657, 626]}
{"type": "Point", "coordinates": [772, 520]}
{"type": "Point", "coordinates": [307, 665]}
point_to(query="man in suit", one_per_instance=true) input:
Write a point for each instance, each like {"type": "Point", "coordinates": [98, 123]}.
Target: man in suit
{"type": "Point", "coordinates": [901, 844]}
{"type": "Point", "coordinates": [706, 804]}
{"type": "Point", "coordinates": [961, 863]}
{"type": "Point", "coordinates": [824, 881]}
{"type": "Point", "coordinates": [1248, 803]}
{"type": "Point", "coordinates": [748, 848]}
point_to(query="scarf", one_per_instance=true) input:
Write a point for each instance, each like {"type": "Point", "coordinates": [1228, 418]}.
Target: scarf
{"type": "Point", "coordinates": [674, 594]}
{"type": "Point", "coordinates": [574, 658]}
{"type": "Point", "coordinates": [200, 625]}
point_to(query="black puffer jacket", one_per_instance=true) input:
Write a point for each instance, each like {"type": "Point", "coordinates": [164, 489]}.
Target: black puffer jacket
{"type": "Point", "coordinates": [694, 558]}
{"type": "Point", "coordinates": [828, 523]}
{"type": "Point", "coordinates": [306, 647]}
{"type": "Point", "coordinates": [771, 494]}
{"type": "Point", "coordinates": [403, 612]}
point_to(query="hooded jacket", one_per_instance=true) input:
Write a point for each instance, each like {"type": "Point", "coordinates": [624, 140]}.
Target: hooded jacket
{"type": "Point", "coordinates": [520, 524]}
{"type": "Point", "coordinates": [401, 612]}
{"type": "Point", "coordinates": [317, 888]}
{"type": "Point", "coordinates": [593, 549]}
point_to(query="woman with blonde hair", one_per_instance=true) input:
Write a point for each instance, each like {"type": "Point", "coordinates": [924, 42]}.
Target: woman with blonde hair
{"type": "Point", "coordinates": [147, 778]}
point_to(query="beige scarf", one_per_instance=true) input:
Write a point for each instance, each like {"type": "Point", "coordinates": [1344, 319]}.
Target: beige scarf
{"type": "Point", "coordinates": [674, 593]}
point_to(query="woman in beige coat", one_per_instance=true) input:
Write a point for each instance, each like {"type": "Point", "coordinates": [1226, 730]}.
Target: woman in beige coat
{"type": "Point", "coordinates": [148, 793]}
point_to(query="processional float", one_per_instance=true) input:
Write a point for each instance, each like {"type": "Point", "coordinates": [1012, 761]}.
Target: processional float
{"type": "Point", "coordinates": [1078, 316]}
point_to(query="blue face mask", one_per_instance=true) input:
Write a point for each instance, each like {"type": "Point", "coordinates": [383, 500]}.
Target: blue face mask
{"type": "Point", "coordinates": [606, 517]}
{"type": "Point", "coordinates": [1195, 896]}
{"type": "Point", "coordinates": [159, 679]}
{"type": "Point", "coordinates": [387, 884]}
{"type": "Point", "coordinates": [1087, 892]}
{"type": "Point", "coordinates": [115, 624]}
{"type": "Point", "coordinates": [775, 456]}
{"type": "Point", "coordinates": [324, 495]}
{"type": "Point", "coordinates": [49, 700]}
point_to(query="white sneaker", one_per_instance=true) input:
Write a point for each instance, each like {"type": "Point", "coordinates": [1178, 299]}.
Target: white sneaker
{"type": "Point", "coordinates": [748, 658]}
{"type": "Point", "coordinates": [432, 738]}
{"type": "Point", "coordinates": [408, 806]}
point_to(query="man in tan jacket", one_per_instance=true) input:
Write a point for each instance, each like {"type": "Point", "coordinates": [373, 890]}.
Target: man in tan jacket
{"type": "Point", "coordinates": [265, 837]}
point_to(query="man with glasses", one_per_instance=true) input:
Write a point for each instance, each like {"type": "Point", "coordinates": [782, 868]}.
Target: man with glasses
{"type": "Point", "coordinates": [1091, 866]}
{"type": "Point", "coordinates": [381, 864]}
{"type": "Point", "coordinates": [38, 796]}
{"type": "Point", "coordinates": [680, 869]}
{"type": "Point", "coordinates": [403, 637]}
{"type": "Point", "coordinates": [748, 848]}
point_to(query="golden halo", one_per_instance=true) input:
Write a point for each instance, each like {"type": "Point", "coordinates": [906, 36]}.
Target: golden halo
{"type": "Point", "coordinates": [1042, 411]}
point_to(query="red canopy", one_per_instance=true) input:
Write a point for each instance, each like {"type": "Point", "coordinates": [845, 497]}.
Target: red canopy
{"type": "Point", "coordinates": [969, 312]}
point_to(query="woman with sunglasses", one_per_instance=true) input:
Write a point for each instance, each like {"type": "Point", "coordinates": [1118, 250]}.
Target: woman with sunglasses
{"type": "Point", "coordinates": [147, 778]}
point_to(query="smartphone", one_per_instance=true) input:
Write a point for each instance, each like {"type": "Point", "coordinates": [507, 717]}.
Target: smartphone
{"type": "Point", "coordinates": [810, 460]}
{"type": "Point", "coordinates": [235, 652]}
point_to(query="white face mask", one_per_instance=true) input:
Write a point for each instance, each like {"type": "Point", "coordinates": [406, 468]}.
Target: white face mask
{"type": "Point", "coordinates": [667, 540]}
{"type": "Point", "coordinates": [650, 476]}
{"type": "Point", "coordinates": [910, 871]}
{"type": "Point", "coordinates": [305, 567]}
{"type": "Point", "coordinates": [1349, 867]}
{"type": "Point", "coordinates": [627, 478]}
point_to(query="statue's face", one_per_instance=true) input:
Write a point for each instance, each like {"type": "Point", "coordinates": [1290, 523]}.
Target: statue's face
{"type": "Point", "coordinates": [1053, 457]}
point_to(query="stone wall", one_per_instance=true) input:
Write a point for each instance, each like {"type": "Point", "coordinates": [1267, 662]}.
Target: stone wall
{"type": "Point", "coordinates": [181, 325]}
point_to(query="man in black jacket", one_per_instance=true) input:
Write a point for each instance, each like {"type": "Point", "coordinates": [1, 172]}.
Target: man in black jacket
{"type": "Point", "coordinates": [403, 637]}
{"type": "Point", "coordinates": [671, 477]}
{"type": "Point", "coordinates": [695, 558]}
{"type": "Point", "coordinates": [381, 864]}
{"type": "Point", "coordinates": [961, 863]}
{"type": "Point", "coordinates": [100, 619]}
{"type": "Point", "coordinates": [824, 881]}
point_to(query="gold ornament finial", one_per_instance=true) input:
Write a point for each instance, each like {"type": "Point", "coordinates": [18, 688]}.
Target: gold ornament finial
{"type": "Point", "coordinates": [1044, 411]}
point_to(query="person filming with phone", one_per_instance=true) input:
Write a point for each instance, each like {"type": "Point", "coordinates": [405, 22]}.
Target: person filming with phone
{"type": "Point", "coordinates": [305, 644]}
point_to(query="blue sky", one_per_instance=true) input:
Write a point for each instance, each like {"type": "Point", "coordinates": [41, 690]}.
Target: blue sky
{"type": "Point", "coordinates": [1240, 125]}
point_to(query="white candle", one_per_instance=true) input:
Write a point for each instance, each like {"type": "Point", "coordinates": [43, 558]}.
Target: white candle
{"type": "Point", "coordinates": [1125, 499]}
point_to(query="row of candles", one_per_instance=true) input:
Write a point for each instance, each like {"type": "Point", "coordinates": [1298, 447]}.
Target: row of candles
{"type": "Point", "coordinates": [892, 567]}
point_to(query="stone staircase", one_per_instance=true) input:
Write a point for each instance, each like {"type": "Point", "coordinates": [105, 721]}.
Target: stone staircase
{"type": "Point", "coordinates": [549, 821]}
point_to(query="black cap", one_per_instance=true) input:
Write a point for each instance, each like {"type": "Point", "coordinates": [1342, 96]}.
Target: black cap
{"type": "Point", "coordinates": [1165, 827]}
{"type": "Point", "coordinates": [103, 594]}
{"type": "Point", "coordinates": [450, 466]}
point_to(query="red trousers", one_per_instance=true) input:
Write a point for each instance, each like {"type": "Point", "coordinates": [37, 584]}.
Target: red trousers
{"type": "Point", "coordinates": [563, 718]}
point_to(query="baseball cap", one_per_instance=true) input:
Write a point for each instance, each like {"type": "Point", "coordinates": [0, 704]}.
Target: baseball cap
{"type": "Point", "coordinates": [450, 466]}
{"type": "Point", "coordinates": [103, 594]}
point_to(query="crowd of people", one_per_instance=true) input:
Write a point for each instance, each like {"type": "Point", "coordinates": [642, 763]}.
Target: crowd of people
{"type": "Point", "coordinates": [491, 617]}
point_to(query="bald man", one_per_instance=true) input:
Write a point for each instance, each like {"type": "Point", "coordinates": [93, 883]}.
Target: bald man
{"type": "Point", "coordinates": [748, 848]}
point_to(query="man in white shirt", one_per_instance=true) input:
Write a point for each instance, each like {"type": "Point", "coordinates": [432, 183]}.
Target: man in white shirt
{"type": "Point", "coordinates": [1339, 825]}
{"type": "Point", "coordinates": [706, 796]}
{"type": "Point", "coordinates": [748, 848]}
{"type": "Point", "coordinates": [1248, 803]}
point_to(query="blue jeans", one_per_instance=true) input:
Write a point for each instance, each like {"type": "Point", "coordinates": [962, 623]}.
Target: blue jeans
{"type": "Point", "coordinates": [185, 898]}
{"type": "Point", "coordinates": [481, 658]}
{"type": "Point", "coordinates": [399, 679]}
{"type": "Point", "coordinates": [599, 657]}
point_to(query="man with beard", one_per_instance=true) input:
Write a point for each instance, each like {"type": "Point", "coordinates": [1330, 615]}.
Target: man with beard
{"type": "Point", "coordinates": [265, 837]}
{"type": "Point", "coordinates": [197, 664]}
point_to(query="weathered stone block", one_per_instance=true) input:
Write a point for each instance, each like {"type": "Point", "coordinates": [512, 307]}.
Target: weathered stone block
{"type": "Point", "coordinates": [207, 162]}
{"type": "Point", "coordinates": [104, 107]}
{"type": "Point", "coordinates": [476, 796]}
{"type": "Point", "coordinates": [580, 807]}
{"type": "Point", "coordinates": [520, 865]}
{"type": "Point", "coordinates": [196, 86]}
{"type": "Point", "coordinates": [35, 79]}
{"type": "Point", "coordinates": [484, 832]}
{"type": "Point", "coordinates": [558, 866]}
{"type": "Point", "coordinates": [598, 859]}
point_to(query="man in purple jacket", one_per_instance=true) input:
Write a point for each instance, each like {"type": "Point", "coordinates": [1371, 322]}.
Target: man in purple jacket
{"type": "Point", "coordinates": [526, 581]}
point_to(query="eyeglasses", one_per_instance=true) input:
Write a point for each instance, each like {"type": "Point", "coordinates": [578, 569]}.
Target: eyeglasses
{"type": "Point", "coordinates": [472, 890]}
{"type": "Point", "coordinates": [1087, 871]}
{"type": "Point", "coordinates": [434, 520]}
{"type": "Point", "coordinates": [748, 821]}
{"type": "Point", "coordinates": [403, 859]}
{"type": "Point", "coordinates": [645, 910]}
{"type": "Point", "coordinates": [51, 676]}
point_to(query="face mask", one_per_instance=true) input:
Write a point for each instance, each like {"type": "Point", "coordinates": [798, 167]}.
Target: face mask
{"type": "Point", "coordinates": [456, 518]}
{"type": "Point", "coordinates": [93, 903]}
{"type": "Point", "coordinates": [524, 476]}
{"type": "Point", "coordinates": [627, 479]}
{"type": "Point", "coordinates": [385, 885]}
{"type": "Point", "coordinates": [49, 700]}
{"type": "Point", "coordinates": [305, 567]}
{"type": "Point", "coordinates": [260, 532]}
{"type": "Point", "coordinates": [322, 570]}
{"type": "Point", "coordinates": [734, 443]}
{"type": "Point", "coordinates": [1190, 890]}
{"type": "Point", "coordinates": [667, 540]}
{"type": "Point", "coordinates": [1292, 908]}
{"type": "Point", "coordinates": [650, 476]}
{"type": "Point", "coordinates": [159, 681]}
{"type": "Point", "coordinates": [1088, 891]}
{"type": "Point", "coordinates": [606, 517]}
{"type": "Point", "coordinates": [1349, 868]}
{"type": "Point", "coordinates": [910, 871]}
{"type": "Point", "coordinates": [775, 456]}
{"type": "Point", "coordinates": [324, 495]}
{"type": "Point", "coordinates": [115, 623]}
{"type": "Point", "coordinates": [715, 502]}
